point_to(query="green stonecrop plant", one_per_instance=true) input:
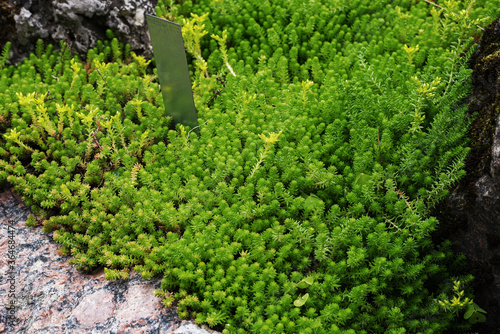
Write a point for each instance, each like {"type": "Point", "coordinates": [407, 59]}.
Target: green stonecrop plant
{"type": "Point", "coordinates": [5, 55]}
{"type": "Point", "coordinates": [328, 133]}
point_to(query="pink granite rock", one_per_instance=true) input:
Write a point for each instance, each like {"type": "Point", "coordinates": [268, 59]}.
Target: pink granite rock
{"type": "Point", "coordinates": [51, 296]}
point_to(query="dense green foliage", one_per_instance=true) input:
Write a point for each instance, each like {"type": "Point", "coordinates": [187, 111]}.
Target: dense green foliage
{"type": "Point", "coordinates": [327, 136]}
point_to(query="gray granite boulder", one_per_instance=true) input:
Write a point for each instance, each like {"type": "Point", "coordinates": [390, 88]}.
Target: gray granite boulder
{"type": "Point", "coordinates": [81, 23]}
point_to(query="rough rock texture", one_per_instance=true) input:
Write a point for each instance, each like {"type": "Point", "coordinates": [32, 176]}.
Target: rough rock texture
{"type": "Point", "coordinates": [51, 296]}
{"type": "Point", "coordinates": [472, 219]}
{"type": "Point", "coordinates": [81, 23]}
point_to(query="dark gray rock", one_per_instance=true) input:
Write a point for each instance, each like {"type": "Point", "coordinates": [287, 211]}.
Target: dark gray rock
{"type": "Point", "coordinates": [471, 219]}
{"type": "Point", "coordinates": [80, 23]}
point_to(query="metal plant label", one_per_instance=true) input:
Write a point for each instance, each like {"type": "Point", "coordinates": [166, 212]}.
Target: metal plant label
{"type": "Point", "coordinates": [173, 72]}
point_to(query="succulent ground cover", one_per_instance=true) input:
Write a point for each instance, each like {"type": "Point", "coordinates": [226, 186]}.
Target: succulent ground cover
{"type": "Point", "coordinates": [328, 132]}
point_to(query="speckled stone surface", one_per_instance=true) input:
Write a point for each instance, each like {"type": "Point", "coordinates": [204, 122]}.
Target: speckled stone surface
{"type": "Point", "coordinates": [79, 23]}
{"type": "Point", "coordinates": [51, 296]}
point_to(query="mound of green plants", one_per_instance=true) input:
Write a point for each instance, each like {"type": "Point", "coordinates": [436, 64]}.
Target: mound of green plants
{"type": "Point", "coordinates": [327, 135]}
